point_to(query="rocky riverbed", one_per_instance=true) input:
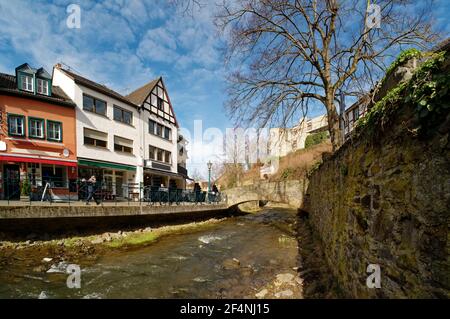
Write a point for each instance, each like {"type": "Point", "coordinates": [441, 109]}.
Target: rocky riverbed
{"type": "Point", "coordinates": [253, 256]}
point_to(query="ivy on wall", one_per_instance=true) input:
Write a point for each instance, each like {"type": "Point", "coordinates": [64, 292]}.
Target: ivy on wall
{"type": "Point", "coordinates": [427, 91]}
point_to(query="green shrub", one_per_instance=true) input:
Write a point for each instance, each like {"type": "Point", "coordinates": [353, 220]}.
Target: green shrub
{"type": "Point", "coordinates": [316, 138]}
{"type": "Point", "coordinates": [25, 189]}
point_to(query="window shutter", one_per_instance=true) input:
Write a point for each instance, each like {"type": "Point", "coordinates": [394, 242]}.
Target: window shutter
{"type": "Point", "coordinates": [123, 141]}
{"type": "Point", "coordinates": [95, 134]}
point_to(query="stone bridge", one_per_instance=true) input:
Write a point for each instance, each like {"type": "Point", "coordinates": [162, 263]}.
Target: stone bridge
{"type": "Point", "coordinates": [287, 192]}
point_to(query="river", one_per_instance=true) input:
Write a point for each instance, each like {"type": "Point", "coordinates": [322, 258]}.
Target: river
{"type": "Point", "coordinates": [248, 256]}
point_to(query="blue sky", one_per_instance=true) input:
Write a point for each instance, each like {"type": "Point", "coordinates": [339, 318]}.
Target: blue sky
{"type": "Point", "coordinates": [126, 43]}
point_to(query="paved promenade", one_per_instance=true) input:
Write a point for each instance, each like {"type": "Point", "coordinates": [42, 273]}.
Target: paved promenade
{"type": "Point", "coordinates": [23, 209]}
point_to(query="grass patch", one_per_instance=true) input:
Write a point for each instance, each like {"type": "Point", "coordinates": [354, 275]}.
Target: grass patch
{"type": "Point", "coordinates": [133, 240]}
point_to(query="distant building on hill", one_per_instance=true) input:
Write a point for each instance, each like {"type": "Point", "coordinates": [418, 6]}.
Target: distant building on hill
{"type": "Point", "coordinates": [283, 141]}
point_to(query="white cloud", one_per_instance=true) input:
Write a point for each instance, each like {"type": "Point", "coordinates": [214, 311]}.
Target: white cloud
{"type": "Point", "coordinates": [101, 50]}
{"type": "Point", "coordinates": [121, 44]}
{"type": "Point", "coordinates": [158, 45]}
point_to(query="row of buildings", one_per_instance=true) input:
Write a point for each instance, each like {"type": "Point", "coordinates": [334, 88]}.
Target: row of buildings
{"type": "Point", "coordinates": [63, 127]}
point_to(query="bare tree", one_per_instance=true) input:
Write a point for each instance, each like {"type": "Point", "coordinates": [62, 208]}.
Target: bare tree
{"type": "Point", "coordinates": [187, 7]}
{"type": "Point", "coordinates": [292, 55]}
{"type": "Point", "coordinates": [196, 175]}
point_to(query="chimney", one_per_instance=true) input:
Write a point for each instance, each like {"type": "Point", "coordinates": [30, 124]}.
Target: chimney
{"type": "Point", "coordinates": [58, 66]}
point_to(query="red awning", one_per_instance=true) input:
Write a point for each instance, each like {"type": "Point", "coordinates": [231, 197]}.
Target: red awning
{"type": "Point", "coordinates": [36, 160]}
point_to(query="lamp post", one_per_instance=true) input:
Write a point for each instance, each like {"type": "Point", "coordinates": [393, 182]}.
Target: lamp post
{"type": "Point", "coordinates": [209, 179]}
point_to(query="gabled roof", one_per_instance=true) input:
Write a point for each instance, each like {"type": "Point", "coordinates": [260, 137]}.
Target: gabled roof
{"type": "Point", "coordinates": [97, 87]}
{"type": "Point", "coordinates": [139, 96]}
{"type": "Point", "coordinates": [8, 86]}
{"type": "Point", "coordinates": [42, 73]}
{"type": "Point", "coordinates": [26, 68]}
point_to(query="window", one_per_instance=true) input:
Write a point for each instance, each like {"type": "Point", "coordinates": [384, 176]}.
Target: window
{"type": "Point", "coordinates": [95, 138]}
{"type": "Point", "coordinates": [167, 133]}
{"type": "Point", "coordinates": [36, 128]}
{"type": "Point", "coordinates": [160, 103]}
{"type": "Point", "coordinates": [159, 155]}
{"type": "Point", "coordinates": [94, 105]}
{"type": "Point", "coordinates": [27, 83]}
{"type": "Point", "coordinates": [56, 176]}
{"type": "Point", "coordinates": [159, 130]}
{"type": "Point", "coordinates": [123, 116]}
{"type": "Point", "coordinates": [88, 103]}
{"type": "Point", "coordinates": [42, 86]}
{"type": "Point", "coordinates": [310, 126]}
{"type": "Point", "coordinates": [16, 125]}
{"type": "Point", "coordinates": [123, 145]}
{"type": "Point", "coordinates": [151, 152]}
{"type": "Point", "coordinates": [168, 157]}
{"type": "Point", "coordinates": [151, 127]}
{"type": "Point", "coordinates": [54, 131]}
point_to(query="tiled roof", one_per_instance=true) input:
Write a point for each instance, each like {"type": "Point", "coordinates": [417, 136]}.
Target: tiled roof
{"type": "Point", "coordinates": [8, 85]}
{"type": "Point", "coordinates": [97, 87]}
{"type": "Point", "coordinates": [138, 96]}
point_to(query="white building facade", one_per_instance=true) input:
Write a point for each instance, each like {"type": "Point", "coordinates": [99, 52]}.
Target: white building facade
{"type": "Point", "coordinates": [126, 142]}
{"type": "Point", "coordinates": [159, 136]}
{"type": "Point", "coordinates": [283, 141]}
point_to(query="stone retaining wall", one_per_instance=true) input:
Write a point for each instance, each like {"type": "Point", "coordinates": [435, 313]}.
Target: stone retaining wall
{"type": "Point", "coordinates": [387, 202]}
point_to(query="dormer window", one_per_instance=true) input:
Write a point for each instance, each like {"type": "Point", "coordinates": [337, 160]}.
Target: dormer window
{"type": "Point", "coordinates": [42, 86]}
{"type": "Point", "coordinates": [27, 83]}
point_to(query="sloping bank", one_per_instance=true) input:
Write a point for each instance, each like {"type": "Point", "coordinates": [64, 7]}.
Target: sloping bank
{"type": "Point", "coordinates": [384, 197]}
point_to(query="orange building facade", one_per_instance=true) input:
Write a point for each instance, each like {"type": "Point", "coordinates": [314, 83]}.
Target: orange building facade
{"type": "Point", "coordinates": [37, 137]}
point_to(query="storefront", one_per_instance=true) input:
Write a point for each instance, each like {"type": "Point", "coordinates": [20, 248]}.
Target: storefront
{"type": "Point", "coordinates": [155, 178]}
{"type": "Point", "coordinates": [117, 181]}
{"type": "Point", "coordinates": [27, 176]}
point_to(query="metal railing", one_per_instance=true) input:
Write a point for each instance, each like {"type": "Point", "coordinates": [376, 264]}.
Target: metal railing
{"type": "Point", "coordinates": [34, 191]}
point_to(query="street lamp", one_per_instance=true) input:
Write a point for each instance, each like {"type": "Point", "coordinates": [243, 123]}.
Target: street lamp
{"type": "Point", "coordinates": [209, 175]}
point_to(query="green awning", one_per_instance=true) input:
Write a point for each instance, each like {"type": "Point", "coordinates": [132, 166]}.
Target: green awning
{"type": "Point", "coordinates": [106, 165]}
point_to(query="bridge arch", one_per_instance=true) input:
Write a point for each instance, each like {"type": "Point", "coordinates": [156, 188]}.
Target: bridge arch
{"type": "Point", "coordinates": [288, 192]}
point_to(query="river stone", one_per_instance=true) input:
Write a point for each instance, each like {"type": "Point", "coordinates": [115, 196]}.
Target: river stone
{"type": "Point", "coordinates": [262, 294]}
{"type": "Point", "coordinates": [284, 294]}
{"type": "Point", "coordinates": [43, 295]}
{"type": "Point", "coordinates": [97, 241]}
{"type": "Point", "coordinates": [231, 264]}
{"type": "Point", "coordinates": [284, 279]}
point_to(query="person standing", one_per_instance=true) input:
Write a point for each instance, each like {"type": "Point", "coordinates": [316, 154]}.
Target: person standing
{"type": "Point", "coordinates": [91, 188]}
